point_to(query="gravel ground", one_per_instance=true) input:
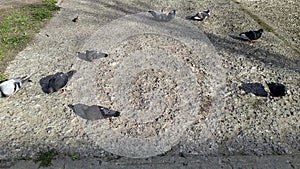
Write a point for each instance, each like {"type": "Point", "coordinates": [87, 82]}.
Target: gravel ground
{"type": "Point", "coordinates": [228, 122]}
{"type": "Point", "coordinates": [13, 3]}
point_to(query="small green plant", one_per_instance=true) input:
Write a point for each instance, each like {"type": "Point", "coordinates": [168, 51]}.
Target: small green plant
{"type": "Point", "coordinates": [46, 157]}
{"type": "Point", "coordinates": [26, 158]}
{"type": "Point", "coordinates": [74, 157]}
{"type": "Point", "coordinates": [2, 77]}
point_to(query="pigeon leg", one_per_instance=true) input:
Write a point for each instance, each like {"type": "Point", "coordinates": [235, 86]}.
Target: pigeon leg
{"type": "Point", "coordinates": [253, 41]}
{"type": "Point", "coordinates": [64, 91]}
{"type": "Point", "coordinates": [275, 99]}
{"type": "Point", "coordinates": [10, 96]}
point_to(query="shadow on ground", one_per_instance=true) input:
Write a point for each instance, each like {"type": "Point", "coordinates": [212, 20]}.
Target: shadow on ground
{"type": "Point", "coordinates": [254, 52]}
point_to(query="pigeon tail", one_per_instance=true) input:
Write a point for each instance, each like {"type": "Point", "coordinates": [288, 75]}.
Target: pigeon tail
{"type": "Point", "coordinates": [108, 112]}
{"type": "Point", "coordinates": [25, 79]}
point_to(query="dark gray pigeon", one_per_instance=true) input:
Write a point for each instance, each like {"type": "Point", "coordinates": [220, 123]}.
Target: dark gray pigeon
{"type": "Point", "coordinates": [277, 89]}
{"type": "Point", "coordinates": [255, 88]}
{"type": "Point", "coordinates": [91, 55]}
{"type": "Point", "coordinates": [251, 35]}
{"type": "Point", "coordinates": [162, 16]}
{"type": "Point", "coordinates": [75, 19]}
{"type": "Point", "coordinates": [93, 112]}
{"type": "Point", "coordinates": [54, 83]}
{"type": "Point", "coordinates": [9, 87]}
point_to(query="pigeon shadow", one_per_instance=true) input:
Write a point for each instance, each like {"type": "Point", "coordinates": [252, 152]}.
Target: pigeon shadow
{"type": "Point", "coordinates": [238, 38]}
{"type": "Point", "coordinates": [277, 89]}
{"type": "Point", "coordinates": [249, 51]}
{"type": "Point", "coordinates": [189, 17]}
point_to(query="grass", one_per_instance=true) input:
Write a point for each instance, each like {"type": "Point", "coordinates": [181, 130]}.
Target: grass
{"type": "Point", "coordinates": [46, 157]}
{"type": "Point", "coordinates": [74, 157]}
{"type": "Point", "coordinates": [26, 158]}
{"type": "Point", "coordinates": [17, 27]}
{"type": "Point", "coordinates": [2, 77]}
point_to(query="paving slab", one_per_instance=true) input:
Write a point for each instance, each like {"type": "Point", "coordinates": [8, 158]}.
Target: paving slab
{"type": "Point", "coordinates": [167, 162]}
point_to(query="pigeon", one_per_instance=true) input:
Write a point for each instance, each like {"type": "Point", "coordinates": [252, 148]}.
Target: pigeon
{"type": "Point", "coordinates": [56, 82]}
{"type": "Point", "coordinates": [162, 16]}
{"type": "Point", "coordinates": [75, 19]}
{"type": "Point", "coordinates": [255, 88]}
{"type": "Point", "coordinates": [91, 55]}
{"type": "Point", "coordinates": [200, 16]}
{"type": "Point", "coordinates": [251, 35]}
{"type": "Point", "coordinates": [9, 87]}
{"type": "Point", "coordinates": [93, 112]}
{"type": "Point", "coordinates": [277, 89]}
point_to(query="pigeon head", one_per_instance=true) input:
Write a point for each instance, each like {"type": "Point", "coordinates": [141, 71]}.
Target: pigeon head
{"type": "Point", "coordinates": [117, 114]}
{"type": "Point", "coordinates": [152, 12]}
{"type": "Point", "coordinates": [260, 30]}
{"type": "Point", "coordinates": [207, 12]}
{"type": "Point", "coordinates": [173, 12]}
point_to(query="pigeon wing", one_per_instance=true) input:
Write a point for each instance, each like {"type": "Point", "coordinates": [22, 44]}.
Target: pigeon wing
{"type": "Point", "coordinates": [83, 56]}
{"type": "Point", "coordinates": [93, 54]}
{"type": "Point", "coordinates": [58, 81]}
{"type": "Point", "coordinates": [93, 113]}
{"type": "Point", "coordinates": [44, 82]}
{"type": "Point", "coordinates": [251, 35]}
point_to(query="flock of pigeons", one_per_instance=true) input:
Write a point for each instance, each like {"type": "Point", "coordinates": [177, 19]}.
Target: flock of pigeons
{"type": "Point", "coordinates": [57, 81]}
{"type": "Point", "coordinates": [251, 35]}
{"type": "Point", "coordinates": [276, 89]}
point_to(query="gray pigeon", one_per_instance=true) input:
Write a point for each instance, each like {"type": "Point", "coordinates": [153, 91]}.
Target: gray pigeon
{"type": "Point", "coordinates": [75, 19]}
{"type": "Point", "coordinates": [162, 16]}
{"type": "Point", "coordinates": [91, 55]}
{"type": "Point", "coordinates": [54, 83]}
{"type": "Point", "coordinates": [251, 35]}
{"type": "Point", "coordinates": [200, 16]}
{"type": "Point", "coordinates": [9, 87]}
{"type": "Point", "coordinates": [93, 112]}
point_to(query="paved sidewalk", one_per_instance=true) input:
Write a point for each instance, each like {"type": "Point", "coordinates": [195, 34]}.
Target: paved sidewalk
{"type": "Point", "coordinates": [163, 68]}
{"type": "Point", "coordinates": [173, 162]}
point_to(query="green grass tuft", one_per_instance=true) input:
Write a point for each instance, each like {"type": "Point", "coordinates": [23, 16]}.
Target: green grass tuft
{"type": "Point", "coordinates": [74, 157]}
{"type": "Point", "coordinates": [2, 77]}
{"type": "Point", "coordinates": [46, 157]}
{"type": "Point", "coordinates": [19, 24]}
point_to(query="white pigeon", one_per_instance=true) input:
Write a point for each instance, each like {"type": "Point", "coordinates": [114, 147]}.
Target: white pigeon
{"type": "Point", "coordinates": [200, 16]}
{"type": "Point", "coordinates": [11, 86]}
{"type": "Point", "coordinates": [162, 16]}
